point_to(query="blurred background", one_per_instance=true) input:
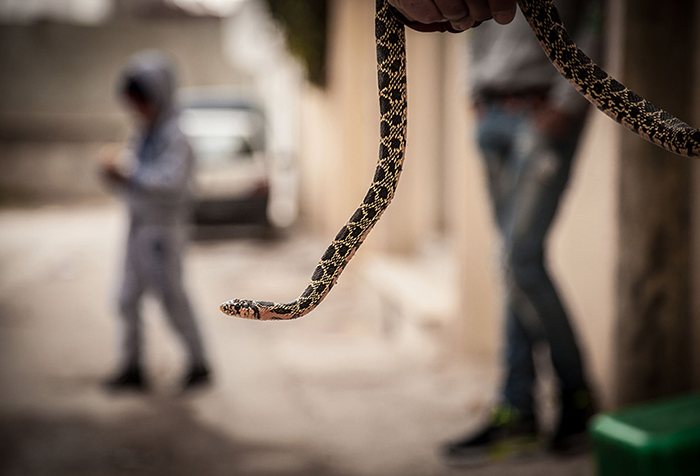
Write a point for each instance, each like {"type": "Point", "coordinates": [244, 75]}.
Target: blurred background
{"type": "Point", "coordinates": [279, 99]}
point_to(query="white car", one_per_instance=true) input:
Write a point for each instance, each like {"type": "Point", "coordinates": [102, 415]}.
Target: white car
{"type": "Point", "coordinates": [227, 133]}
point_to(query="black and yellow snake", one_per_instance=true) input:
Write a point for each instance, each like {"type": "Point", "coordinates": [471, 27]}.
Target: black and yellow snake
{"type": "Point", "coordinates": [596, 85]}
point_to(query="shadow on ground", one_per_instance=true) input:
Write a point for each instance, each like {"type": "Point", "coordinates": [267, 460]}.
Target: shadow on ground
{"type": "Point", "coordinates": [166, 440]}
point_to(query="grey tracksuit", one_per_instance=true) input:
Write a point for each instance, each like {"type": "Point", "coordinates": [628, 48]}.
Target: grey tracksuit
{"type": "Point", "coordinates": [158, 195]}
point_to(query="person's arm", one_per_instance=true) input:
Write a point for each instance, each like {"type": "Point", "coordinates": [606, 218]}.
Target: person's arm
{"type": "Point", "coordinates": [452, 15]}
{"type": "Point", "coordinates": [167, 174]}
{"type": "Point", "coordinates": [110, 169]}
{"type": "Point", "coordinates": [565, 103]}
{"type": "Point", "coordinates": [587, 33]}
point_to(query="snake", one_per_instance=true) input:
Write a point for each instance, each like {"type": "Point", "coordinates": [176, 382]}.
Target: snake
{"type": "Point", "coordinates": [603, 91]}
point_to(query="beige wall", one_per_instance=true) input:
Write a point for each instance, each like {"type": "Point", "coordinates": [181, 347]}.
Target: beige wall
{"type": "Point", "coordinates": [442, 195]}
{"type": "Point", "coordinates": [337, 141]}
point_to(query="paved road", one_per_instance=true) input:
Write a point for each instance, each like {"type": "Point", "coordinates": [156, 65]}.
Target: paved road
{"type": "Point", "coordinates": [330, 394]}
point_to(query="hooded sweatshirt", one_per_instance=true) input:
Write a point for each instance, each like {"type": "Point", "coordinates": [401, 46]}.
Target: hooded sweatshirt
{"type": "Point", "coordinates": [159, 188]}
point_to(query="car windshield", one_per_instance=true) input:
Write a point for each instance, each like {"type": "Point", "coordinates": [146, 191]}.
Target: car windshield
{"type": "Point", "coordinates": [222, 135]}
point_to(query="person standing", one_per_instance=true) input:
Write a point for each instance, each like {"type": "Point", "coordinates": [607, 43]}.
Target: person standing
{"type": "Point", "coordinates": [529, 121]}
{"type": "Point", "coordinates": [157, 192]}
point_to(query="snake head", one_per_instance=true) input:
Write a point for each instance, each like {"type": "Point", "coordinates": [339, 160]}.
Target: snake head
{"type": "Point", "coordinates": [241, 308]}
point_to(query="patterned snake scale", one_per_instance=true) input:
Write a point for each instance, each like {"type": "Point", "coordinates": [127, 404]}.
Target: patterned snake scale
{"type": "Point", "coordinates": [596, 85]}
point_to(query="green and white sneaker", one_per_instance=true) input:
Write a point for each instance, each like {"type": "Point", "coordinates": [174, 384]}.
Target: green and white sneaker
{"type": "Point", "coordinates": [509, 435]}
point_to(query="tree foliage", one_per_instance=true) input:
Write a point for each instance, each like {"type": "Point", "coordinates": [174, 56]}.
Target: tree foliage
{"type": "Point", "coordinates": [305, 22]}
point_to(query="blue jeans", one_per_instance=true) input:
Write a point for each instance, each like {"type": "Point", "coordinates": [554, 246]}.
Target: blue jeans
{"type": "Point", "coordinates": [527, 174]}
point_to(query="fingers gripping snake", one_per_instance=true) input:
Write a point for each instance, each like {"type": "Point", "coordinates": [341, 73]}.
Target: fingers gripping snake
{"type": "Point", "coordinates": [596, 85]}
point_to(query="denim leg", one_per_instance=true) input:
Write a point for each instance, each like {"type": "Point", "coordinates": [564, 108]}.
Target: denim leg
{"type": "Point", "coordinates": [497, 134]}
{"type": "Point", "coordinates": [527, 175]}
{"type": "Point", "coordinates": [544, 169]}
{"type": "Point", "coordinates": [520, 368]}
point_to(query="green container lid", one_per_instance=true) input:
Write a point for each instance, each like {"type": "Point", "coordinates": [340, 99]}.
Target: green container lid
{"type": "Point", "coordinates": [659, 438]}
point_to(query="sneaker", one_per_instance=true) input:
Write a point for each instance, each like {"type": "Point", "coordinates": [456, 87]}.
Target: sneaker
{"type": "Point", "coordinates": [198, 376]}
{"type": "Point", "coordinates": [509, 435]}
{"type": "Point", "coordinates": [570, 436]}
{"type": "Point", "coordinates": [130, 378]}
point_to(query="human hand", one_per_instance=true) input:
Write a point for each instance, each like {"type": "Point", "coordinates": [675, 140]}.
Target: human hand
{"type": "Point", "coordinates": [462, 14]}
{"type": "Point", "coordinates": [109, 164]}
{"type": "Point", "coordinates": [112, 174]}
{"type": "Point", "coordinates": [553, 122]}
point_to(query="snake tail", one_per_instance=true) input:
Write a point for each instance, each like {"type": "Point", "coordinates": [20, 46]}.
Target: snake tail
{"type": "Point", "coordinates": [391, 75]}
{"type": "Point", "coordinates": [602, 90]}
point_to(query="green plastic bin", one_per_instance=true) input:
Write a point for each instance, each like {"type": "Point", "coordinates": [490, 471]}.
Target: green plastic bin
{"type": "Point", "coordinates": [660, 438]}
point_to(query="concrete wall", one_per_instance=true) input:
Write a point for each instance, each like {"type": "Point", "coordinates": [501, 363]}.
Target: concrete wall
{"type": "Point", "coordinates": [59, 103]}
